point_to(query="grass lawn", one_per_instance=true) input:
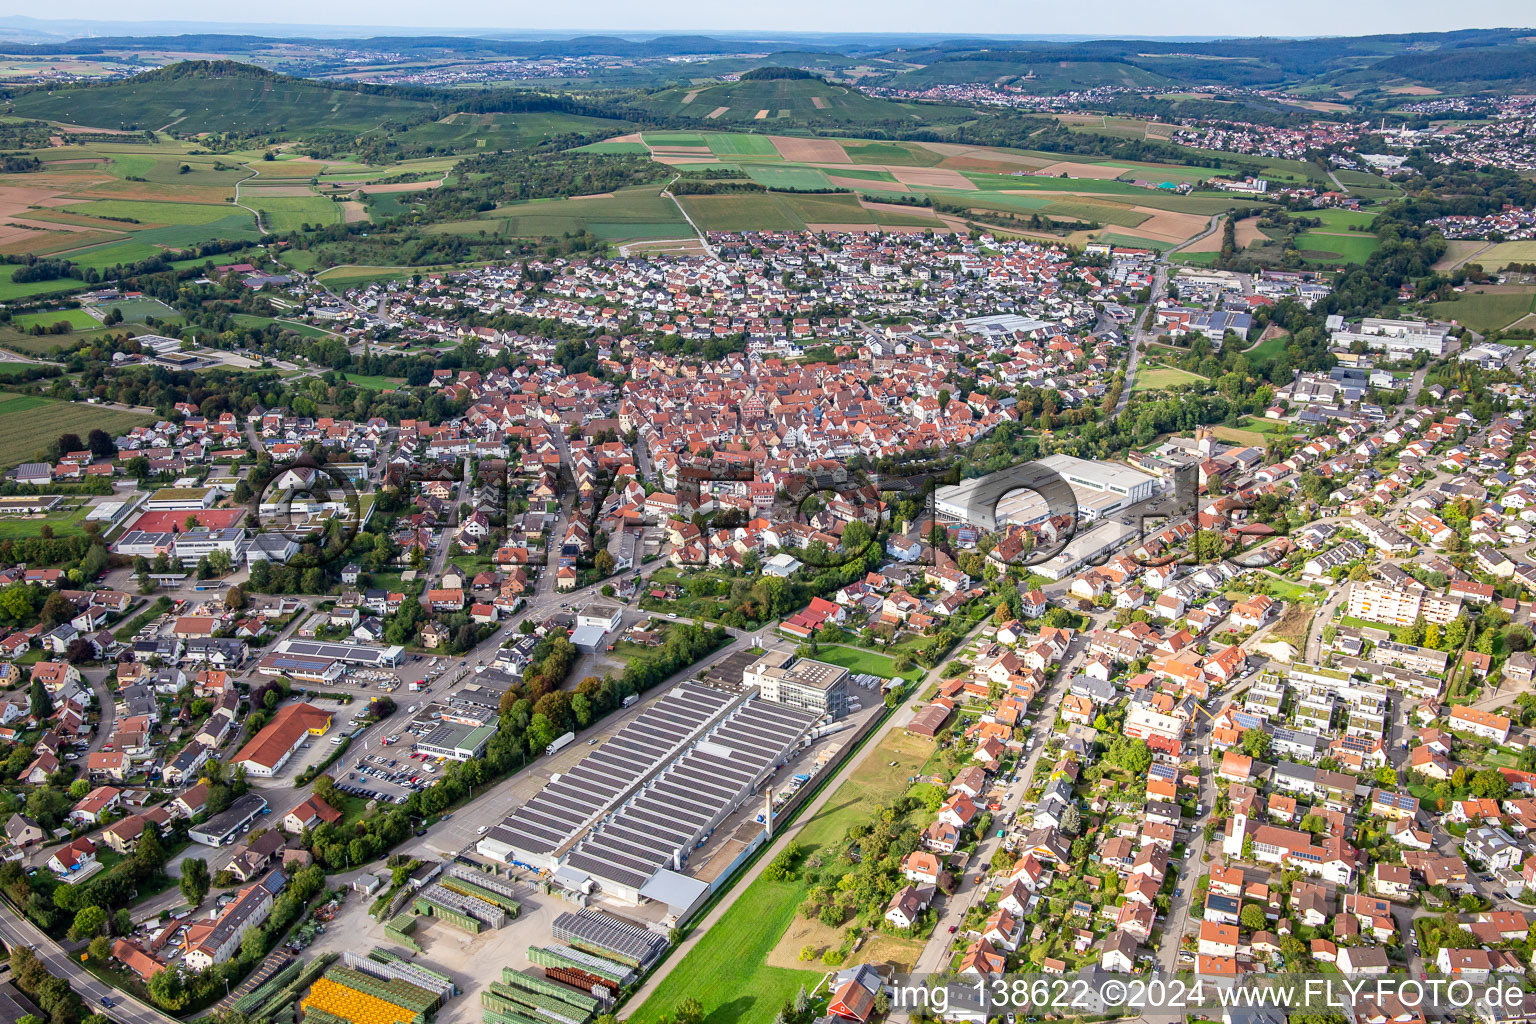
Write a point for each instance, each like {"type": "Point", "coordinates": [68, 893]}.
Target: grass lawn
{"type": "Point", "coordinates": [1286, 590]}
{"type": "Point", "coordinates": [1154, 377]}
{"type": "Point", "coordinates": [1359, 623]}
{"type": "Point", "coordinates": [727, 970]}
{"type": "Point", "coordinates": [28, 424]}
{"type": "Point", "coordinates": [859, 661]}
{"type": "Point", "coordinates": [1236, 436]}
{"type": "Point", "coordinates": [1269, 348]}
{"type": "Point", "coordinates": [65, 524]}
{"type": "Point", "coordinates": [375, 382]}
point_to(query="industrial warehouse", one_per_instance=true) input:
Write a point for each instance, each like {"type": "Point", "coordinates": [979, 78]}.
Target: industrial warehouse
{"type": "Point", "coordinates": [627, 817]}
{"type": "Point", "coordinates": [366, 655]}
{"type": "Point", "coordinates": [1029, 493]}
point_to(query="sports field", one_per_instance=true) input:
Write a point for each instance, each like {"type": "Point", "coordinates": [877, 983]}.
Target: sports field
{"type": "Point", "coordinates": [78, 319]}
{"type": "Point", "coordinates": [1152, 378]}
{"type": "Point", "coordinates": [29, 424]}
{"type": "Point", "coordinates": [1346, 246]}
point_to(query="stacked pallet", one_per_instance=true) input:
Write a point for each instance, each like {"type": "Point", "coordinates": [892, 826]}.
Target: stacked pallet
{"type": "Point", "coordinates": [524, 999]}
{"type": "Point", "coordinates": [364, 990]}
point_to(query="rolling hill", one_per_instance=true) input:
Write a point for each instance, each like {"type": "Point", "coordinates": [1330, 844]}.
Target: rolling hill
{"type": "Point", "coordinates": [221, 96]}
{"type": "Point", "coordinates": [1040, 73]}
{"type": "Point", "coordinates": [809, 99]}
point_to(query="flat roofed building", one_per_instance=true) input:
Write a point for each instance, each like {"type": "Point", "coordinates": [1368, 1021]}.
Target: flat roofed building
{"type": "Point", "coordinates": [800, 682]}
{"type": "Point", "coordinates": [456, 742]}
{"type": "Point", "coordinates": [367, 655]}
{"type": "Point", "coordinates": [641, 803]}
{"type": "Point", "coordinates": [1394, 336]}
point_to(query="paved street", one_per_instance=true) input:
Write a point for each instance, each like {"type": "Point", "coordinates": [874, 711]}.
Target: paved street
{"type": "Point", "coordinates": [125, 1009]}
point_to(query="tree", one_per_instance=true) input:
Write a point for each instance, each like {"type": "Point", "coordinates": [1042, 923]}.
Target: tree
{"type": "Point", "coordinates": [603, 563]}
{"type": "Point", "coordinates": [234, 599]}
{"type": "Point", "coordinates": [1490, 784]}
{"type": "Point", "coordinates": [689, 1011]}
{"type": "Point", "coordinates": [195, 879]}
{"type": "Point", "coordinates": [56, 609]}
{"type": "Point", "coordinates": [1256, 743]}
{"type": "Point", "coordinates": [89, 921]}
{"type": "Point", "coordinates": [100, 949]}
{"type": "Point", "coordinates": [1071, 820]}
{"type": "Point", "coordinates": [149, 853]}
{"type": "Point", "coordinates": [1131, 754]}
{"type": "Point", "coordinates": [100, 443]}
{"type": "Point", "coordinates": [1251, 918]}
{"type": "Point", "coordinates": [168, 991]}
{"type": "Point", "coordinates": [41, 705]}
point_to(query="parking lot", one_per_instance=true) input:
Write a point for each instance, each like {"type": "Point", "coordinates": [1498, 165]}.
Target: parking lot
{"type": "Point", "coordinates": [389, 774]}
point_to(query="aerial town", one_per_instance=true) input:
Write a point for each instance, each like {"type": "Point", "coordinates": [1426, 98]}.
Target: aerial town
{"type": "Point", "coordinates": [570, 561]}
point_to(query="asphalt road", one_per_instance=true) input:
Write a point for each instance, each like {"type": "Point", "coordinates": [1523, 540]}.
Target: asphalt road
{"type": "Point", "coordinates": [125, 1009]}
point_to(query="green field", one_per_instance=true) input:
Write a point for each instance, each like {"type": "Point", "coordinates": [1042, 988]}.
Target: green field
{"type": "Point", "coordinates": [1342, 220]}
{"type": "Point", "coordinates": [13, 290]}
{"type": "Point", "coordinates": [788, 179]}
{"type": "Point", "coordinates": [1151, 378]}
{"type": "Point", "coordinates": [154, 212]}
{"type": "Point", "coordinates": [861, 661]}
{"type": "Point", "coordinates": [632, 213]}
{"type": "Point", "coordinates": [1496, 258]}
{"type": "Point", "coordinates": [673, 139]}
{"type": "Point", "coordinates": [283, 214]}
{"type": "Point", "coordinates": [786, 212]}
{"type": "Point", "coordinates": [1266, 350]}
{"type": "Point", "coordinates": [637, 148]}
{"type": "Point", "coordinates": [1487, 310]}
{"type": "Point", "coordinates": [136, 311]}
{"type": "Point", "coordinates": [375, 382]}
{"type": "Point", "coordinates": [78, 319]}
{"type": "Point", "coordinates": [1194, 259]}
{"type": "Point", "coordinates": [1348, 247]}
{"type": "Point", "coordinates": [68, 523]}
{"type": "Point", "coordinates": [29, 424]}
{"type": "Point", "coordinates": [902, 154]}
{"type": "Point", "coordinates": [740, 144]}
{"type": "Point", "coordinates": [1074, 208]}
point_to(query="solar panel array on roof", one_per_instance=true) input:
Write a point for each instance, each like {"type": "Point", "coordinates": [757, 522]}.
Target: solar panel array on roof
{"type": "Point", "coordinates": [355, 654]}
{"type": "Point", "coordinates": [606, 932]}
{"type": "Point", "coordinates": [660, 825]}
{"type": "Point", "coordinates": [565, 808]}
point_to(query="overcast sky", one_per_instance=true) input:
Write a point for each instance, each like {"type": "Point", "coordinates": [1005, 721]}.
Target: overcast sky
{"type": "Point", "coordinates": [959, 17]}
